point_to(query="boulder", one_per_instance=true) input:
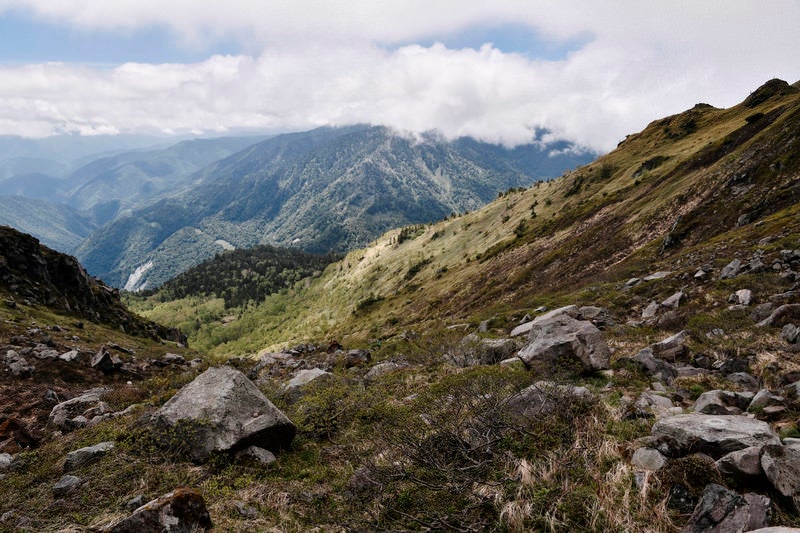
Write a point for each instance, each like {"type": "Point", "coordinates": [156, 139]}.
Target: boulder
{"type": "Point", "coordinates": [790, 333]}
{"type": "Point", "coordinates": [650, 312]}
{"type": "Point", "coordinates": [764, 398]}
{"type": "Point", "coordinates": [86, 456]}
{"type": "Point", "coordinates": [543, 396]}
{"type": "Point", "coordinates": [671, 348]}
{"type": "Point", "coordinates": [381, 369]}
{"type": "Point", "coordinates": [710, 434]}
{"type": "Point", "coordinates": [104, 361]}
{"type": "Point", "coordinates": [524, 329]}
{"type": "Point", "coordinates": [781, 464]}
{"type": "Point", "coordinates": [70, 414]}
{"type": "Point", "coordinates": [561, 339]}
{"type": "Point", "coordinates": [357, 358]}
{"type": "Point", "coordinates": [658, 368]}
{"type": "Point", "coordinates": [743, 465]}
{"type": "Point", "coordinates": [18, 365]}
{"type": "Point", "coordinates": [648, 459]}
{"type": "Point", "coordinates": [723, 511]}
{"type": "Point", "coordinates": [780, 315]}
{"type": "Point", "coordinates": [304, 377]}
{"type": "Point", "coordinates": [259, 455]}
{"type": "Point", "coordinates": [731, 270]}
{"type": "Point", "coordinates": [222, 410]}
{"type": "Point", "coordinates": [66, 485]}
{"type": "Point", "coordinates": [182, 510]}
{"type": "Point", "coordinates": [720, 402]}
{"type": "Point", "coordinates": [654, 403]}
{"type": "Point", "coordinates": [674, 301]}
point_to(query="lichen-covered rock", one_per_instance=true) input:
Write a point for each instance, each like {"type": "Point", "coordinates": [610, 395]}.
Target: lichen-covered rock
{"type": "Point", "coordinates": [181, 511]}
{"type": "Point", "coordinates": [222, 410]}
{"type": "Point", "coordinates": [561, 339]}
{"type": "Point", "coordinates": [710, 434]}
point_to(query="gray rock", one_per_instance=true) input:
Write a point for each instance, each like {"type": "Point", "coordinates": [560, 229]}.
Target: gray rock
{"type": "Point", "coordinates": [259, 455]}
{"type": "Point", "coordinates": [791, 442]}
{"type": "Point", "coordinates": [381, 369]}
{"type": "Point", "coordinates": [304, 377]}
{"type": "Point", "coordinates": [674, 301]}
{"type": "Point", "coordinates": [671, 348]}
{"type": "Point", "coordinates": [182, 510]}
{"type": "Point", "coordinates": [5, 462]}
{"type": "Point", "coordinates": [658, 368]}
{"type": "Point", "coordinates": [42, 352]}
{"type": "Point", "coordinates": [731, 270]}
{"type": "Point", "coordinates": [779, 315]}
{"type": "Point", "coordinates": [523, 329]}
{"type": "Point", "coordinates": [776, 529]}
{"type": "Point", "coordinates": [741, 297]}
{"type": "Point", "coordinates": [357, 358]}
{"type": "Point", "coordinates": [135, 502]}
{"type": "Point", "coordinates": [63, 415]}
{"type": "Point", "coordinates": [781, 464]}
{"type": "Point", "coordinates": [650, 312]}
{"type": "Point", "coordinates": [72, 356]}
{"type": "Point", "coordinates": [86, 456]}
{"type": "Point", "coordinates": [790, 333]}
{"type": "Point", "coordinates": [648, 459]}
{"type": "Point", "coordinates": [560, 339]}
{"type": "Point", "coordinates": [744, 379]}
{"type": "Point", "coordinates": [173, 359]}
{"type": "Point", "coordinates": [543, 396]}
{"type": "Point", "coordinates": [720, 402]}
{"type": "Point", "coordinates": [710, 434]}
{"type": "Point", "coordinates": [631, 282]}
{"type": "Point", "coordinates": [743, 465]}
{"type": "Point", "coordinates": [654, 402]}
{"type": "Point", "coordinates": [222, 410]}
{"type": "Point", "coordinates": [245, 511]}
{"type": "Point", "coordinates": [598, 316]}
{"type": "Point", "coordinates": [105, 361]}
{"type": "Point", "coordinates": [764, 398]}
{"type": "Point", "coordinates": [661, 274]}
{"type": "Point", "coordinates": [18, 365]}
{"type": "Point", "coordinates": [491, 351]}
{"type": "Point", "coordinates": [723, 511]}
{"type": "Point", "coordinates": [66, 485]}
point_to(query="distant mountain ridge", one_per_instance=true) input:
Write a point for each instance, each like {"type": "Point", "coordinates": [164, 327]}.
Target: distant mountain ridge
{"type": "Point", "coordinates": [330, 189]}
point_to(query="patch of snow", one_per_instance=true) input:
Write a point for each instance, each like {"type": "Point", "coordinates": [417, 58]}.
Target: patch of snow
{"type": "Point", "coordinates": [133, 280]}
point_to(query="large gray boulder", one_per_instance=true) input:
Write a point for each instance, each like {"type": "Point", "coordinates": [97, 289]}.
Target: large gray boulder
{"type": "Point", "coordinates": [525, 329]}
{"type": "Point", "coordinates": [712, 435]}
{"type": "Point", "coordinates": [562, 339]}
{"type": "Point", "coordinates": [222, 410]}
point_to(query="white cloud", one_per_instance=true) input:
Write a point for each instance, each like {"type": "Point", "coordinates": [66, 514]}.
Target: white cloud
{"type": "Point", "coordinates": [317, 62]}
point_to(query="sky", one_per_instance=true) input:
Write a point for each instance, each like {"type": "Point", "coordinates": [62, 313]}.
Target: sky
{"type": "Point", "coordinates": [587, 71]}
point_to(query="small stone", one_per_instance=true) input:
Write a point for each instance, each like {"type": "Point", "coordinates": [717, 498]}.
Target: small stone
{"type": "Point", "coordinates": [86, 456]}
{"type": "Point", "coordinates": [260, 455]}
{"type": "Point", "coordinates": [650, 311]}
{"type": "Point", "coordinates": [731, 270]}
{"type": "Point", "coordinates": [66, 485]}
{"type": "Point", "coordinates": [657, 275]}
{"type": "Point", "coordinates": [674, 301]}
{"type": "Point", "coordinates": [245, 511]}
{"type": "Point", "coordinates": [790, 333]}
{"type": "Point", "coordinates": [5, 461]}
{"type": "Point", "coordinates": [135, 502]}
{"type": "Point", "coordinates": [648, 459]}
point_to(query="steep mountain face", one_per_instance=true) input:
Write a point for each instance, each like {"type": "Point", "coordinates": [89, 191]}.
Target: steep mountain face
{"type": "Point", "coordinates": [325, 190]}
{"type": "Point", "coordinates": [37, 275]}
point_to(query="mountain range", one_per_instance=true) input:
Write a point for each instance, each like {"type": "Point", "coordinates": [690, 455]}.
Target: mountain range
{"type": "Point", "coordinates": [328, 190]}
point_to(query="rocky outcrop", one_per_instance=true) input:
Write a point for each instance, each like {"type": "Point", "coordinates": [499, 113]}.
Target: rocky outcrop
{"type": "Point", "coordinates": [222, 410]}
{"type": "Point", "coordinates": [713, 435]}
{"type": "Point", "coordinates": [562, 341]}
{"type": "Point", "coordinates": [33, 272]}
{"type": "Point", "coordinates": [182, 510]}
